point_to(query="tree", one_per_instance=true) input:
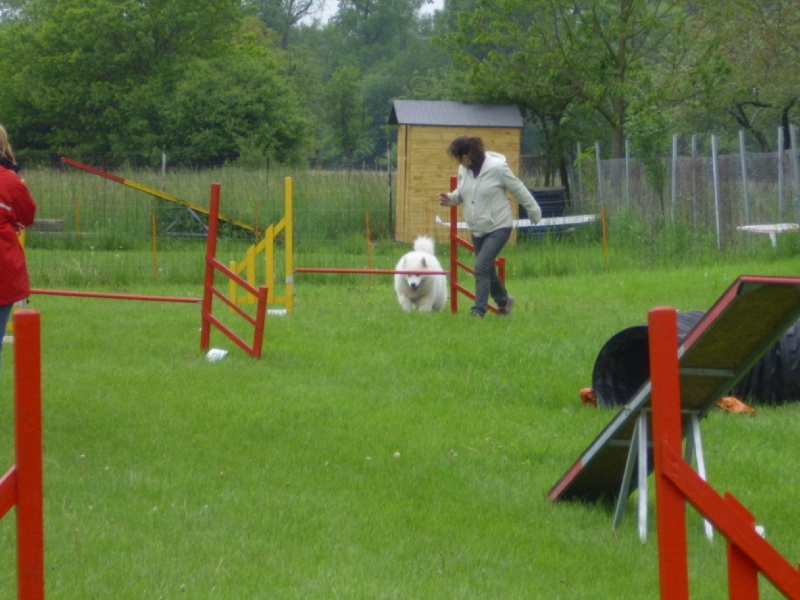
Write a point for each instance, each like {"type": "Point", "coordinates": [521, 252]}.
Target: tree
{"type": "Point", "coordinates": [376, 27]}
{"type": "Point", "coordinates": [233, 107]}
{"type": "Point", "coordinates": [388, 42]}
{"type": "Point", "coordinates": [761, 90]}
{"type": "Point", "coordinates": [555, 57]}
{"type": "Point", "coordinates": [90, 75]}
{"type": "Point", "coordinates": [282, 15]}
{"type": "Point", "coordinates": [346, 117]}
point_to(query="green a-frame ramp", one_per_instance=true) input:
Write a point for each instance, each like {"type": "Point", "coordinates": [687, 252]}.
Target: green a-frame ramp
{"type": "Point", "coordinates": [722, 347]}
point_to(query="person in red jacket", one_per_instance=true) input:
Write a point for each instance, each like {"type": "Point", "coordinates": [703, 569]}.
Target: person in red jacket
{"type": "Point", "coordinates": [17, 210]}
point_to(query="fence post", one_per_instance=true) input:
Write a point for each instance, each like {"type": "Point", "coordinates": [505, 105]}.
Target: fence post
{"type": "Point", "coordinates": [627, 172]}
{"type": "Point", "coordinates": [674, 186]}
{"type": "Point", "coordinates": [795, 168]}
{"type": "Point", "coordinates": [715, 168]}
{"type": "Point", "coordinates": [781, 152]}
{"type": "Point", "coordinates": [599, 174]}
{"type": "Point", "coordinates": [744, 178]}
{"type": "Point", "coordinates": [288, 235]}
{"type": "Point", "coordinates": [694, 179]}
{"type": "Point", "coordinates": [578, 178]}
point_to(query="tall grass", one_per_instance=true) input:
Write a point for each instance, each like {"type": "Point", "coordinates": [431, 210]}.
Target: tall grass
{"type": "Point", "coordinates": [370, 453]}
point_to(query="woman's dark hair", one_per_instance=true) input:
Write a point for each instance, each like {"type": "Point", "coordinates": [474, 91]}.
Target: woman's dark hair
{"type": "Point", "coordinates": [468, 146]}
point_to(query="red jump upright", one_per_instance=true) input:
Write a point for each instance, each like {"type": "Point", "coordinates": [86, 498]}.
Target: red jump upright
{"type": "Point", "coordinates": [21, 486]}
{"type": "Point", "coordinates": [209, 292]}
{"type": "Point", "coordinates": [455, 264]}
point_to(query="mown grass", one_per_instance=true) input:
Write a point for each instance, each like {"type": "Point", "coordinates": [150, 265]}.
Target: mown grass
{"type": "Point", "coordinates": [370, 453]}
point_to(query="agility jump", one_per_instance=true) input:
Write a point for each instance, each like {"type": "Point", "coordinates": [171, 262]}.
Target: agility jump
{"type": "Point", "coordinates": [208, 319]}
{"type": "Point", "coordinates": [267, 246]}
{"type": "Point", "coordinates": [455, 264]}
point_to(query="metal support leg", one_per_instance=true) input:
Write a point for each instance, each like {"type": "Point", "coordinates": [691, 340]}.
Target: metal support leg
{"type": "Point", "coordinates": [622, 498]}
{"type": "Point", "coordinates": [637, 456]}
{"type": "Point", "coordinates": [642, 441]}
{"type": "Point", "coordinates": [694, 449]}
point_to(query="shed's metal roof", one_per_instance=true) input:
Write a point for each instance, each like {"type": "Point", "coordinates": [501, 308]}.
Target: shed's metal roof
{"type": "Point", "coordinates": [454, 114]}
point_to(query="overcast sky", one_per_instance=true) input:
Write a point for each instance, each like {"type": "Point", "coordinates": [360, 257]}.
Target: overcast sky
{"type": "Point", "coordinates": [332, 5]}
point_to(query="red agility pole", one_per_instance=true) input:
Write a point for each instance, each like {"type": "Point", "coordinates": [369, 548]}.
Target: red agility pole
{"type": "Point", "coordinates": [453, 251]}
{"type": "Point", "coordinates": [666, 394]}
{"type": "Point", "coordinates": [117, 296]}
{"type": "Point", "coordinates": [367, 271]}
{"type": "Point", "coordinates": [22, 484]}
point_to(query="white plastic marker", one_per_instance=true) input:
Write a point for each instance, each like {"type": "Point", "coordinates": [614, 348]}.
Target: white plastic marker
{"type": "Point", "coordinates": [216, 354]}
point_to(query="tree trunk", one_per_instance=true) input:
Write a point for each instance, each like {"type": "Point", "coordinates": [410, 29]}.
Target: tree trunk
{"type": "Point", "coordinates": [618, 128]}
{"type": "Point", "coordinates": [618, 142]}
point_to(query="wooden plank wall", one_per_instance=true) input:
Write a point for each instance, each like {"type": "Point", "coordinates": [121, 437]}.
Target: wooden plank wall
{"type": "Point", "coordinates": [424, 169]}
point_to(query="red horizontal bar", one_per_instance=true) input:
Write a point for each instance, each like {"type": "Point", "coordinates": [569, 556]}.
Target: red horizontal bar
{"type": "Point", "coordinates": [117, 296]}
{"type": "Point", "coordinates": [233, 306]}
{"type": "Point", "coordinates": [213, 262]}
{"type": "Point", "coordinates": [368, 271]}
{"type": "Point", "coordinates": [230, 334]}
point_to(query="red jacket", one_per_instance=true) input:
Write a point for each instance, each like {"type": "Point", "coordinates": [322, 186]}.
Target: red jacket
{"type": "Point", "coordinates": [17, 210]}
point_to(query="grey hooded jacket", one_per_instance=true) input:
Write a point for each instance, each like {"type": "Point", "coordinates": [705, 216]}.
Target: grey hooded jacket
{"type": "Point", "coordinates": [486, 206]}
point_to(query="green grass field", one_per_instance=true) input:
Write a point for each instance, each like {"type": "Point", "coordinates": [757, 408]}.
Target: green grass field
{"type": "Point", "coordinates": [370, 453]}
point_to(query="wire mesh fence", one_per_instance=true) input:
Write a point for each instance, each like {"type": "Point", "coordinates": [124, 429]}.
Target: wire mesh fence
{"type": "Point", "coordinates": [148, 225]}
{"type": "Point", "coordinates": [121, 232]}
{"type": "Point", "coordinates": [705, 193]}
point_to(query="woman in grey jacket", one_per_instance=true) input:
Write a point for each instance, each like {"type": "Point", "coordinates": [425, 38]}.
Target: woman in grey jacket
{"type": "Point", "coordinates": [484, 177]}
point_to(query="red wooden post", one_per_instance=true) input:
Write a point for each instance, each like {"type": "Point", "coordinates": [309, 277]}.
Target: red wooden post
{"type": "Point", "coordinates": [211, 253]}
{"type": "Point", "coordinates": [742, 573]}
{"type": "Point", "coordinates": [666, 426]}
{"type": "Point", "coordinates": [28, 454]}
{"type": "Point", "coordinates": [453, 250]}
{"type": "Point", "coordinates": [258, 339]}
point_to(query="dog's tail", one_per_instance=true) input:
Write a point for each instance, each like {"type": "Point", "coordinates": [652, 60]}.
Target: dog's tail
{"type": "Point", "coordinates": [424, 244]}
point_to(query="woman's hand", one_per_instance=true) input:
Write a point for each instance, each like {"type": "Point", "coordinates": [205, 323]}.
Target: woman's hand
{"type": "Point", "coordinates": [444, 199]}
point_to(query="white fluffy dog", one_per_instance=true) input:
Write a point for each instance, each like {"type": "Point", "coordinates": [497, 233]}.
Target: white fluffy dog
{"type": "Point", "coordinates": [417, 289]}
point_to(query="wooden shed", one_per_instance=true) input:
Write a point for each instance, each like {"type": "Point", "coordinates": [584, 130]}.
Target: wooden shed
{"type": "Point", "coordinates": [425, 130]}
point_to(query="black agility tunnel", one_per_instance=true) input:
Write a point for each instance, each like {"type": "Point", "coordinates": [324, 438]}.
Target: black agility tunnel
{"type": "Point", "coordinates": [623, 366]}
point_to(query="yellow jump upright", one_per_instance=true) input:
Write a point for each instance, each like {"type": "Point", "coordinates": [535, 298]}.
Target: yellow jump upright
{"type": "Point", "coordinates": [267, 246]}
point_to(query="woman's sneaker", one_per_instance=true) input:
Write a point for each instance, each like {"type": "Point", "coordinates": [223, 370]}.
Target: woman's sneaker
{"type": "Point", "coordinates": [506, 310]}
